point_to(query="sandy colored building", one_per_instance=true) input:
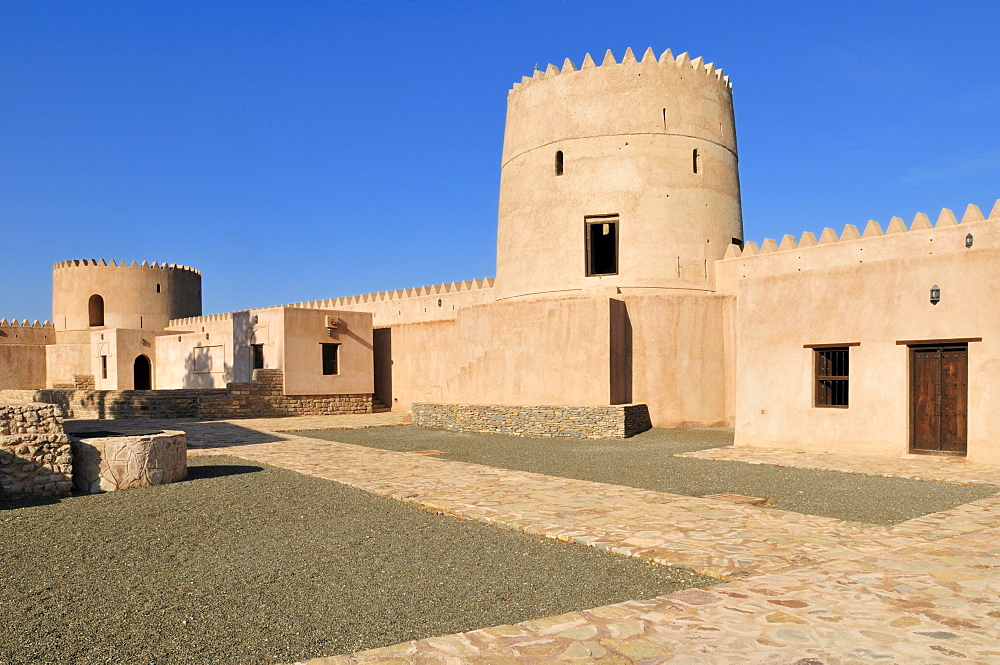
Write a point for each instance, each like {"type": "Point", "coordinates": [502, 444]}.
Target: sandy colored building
{"type": "Point", "coordinates": [623, 288]}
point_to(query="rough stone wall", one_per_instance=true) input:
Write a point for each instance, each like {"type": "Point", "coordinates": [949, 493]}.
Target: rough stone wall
{"type": "Point", "coordinates": [83, 382]}
{"type": "Point", "coordinates": [35, 454]}
{"type": "Point", "coordinates": [262, 398]}
{"type": "Point", "coordinates": [581, 422]}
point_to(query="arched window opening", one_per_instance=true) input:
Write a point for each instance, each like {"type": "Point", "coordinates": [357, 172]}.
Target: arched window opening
{"type": "Point", "coordinates": [96, 309]}
{"type": "Point", "coordinates": [157, 288]}
{"type": "Point", "coordinates": [694, 160]}
{"type": "Point", "coordinates": [559, 162]}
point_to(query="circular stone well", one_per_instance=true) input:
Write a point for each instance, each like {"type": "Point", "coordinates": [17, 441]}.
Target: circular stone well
{"type": "Point", "coordinates": [122, 461]}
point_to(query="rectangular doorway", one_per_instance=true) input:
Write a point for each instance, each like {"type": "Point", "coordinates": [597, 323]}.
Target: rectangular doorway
{"type": "Point", "coordinates": [939, 398]}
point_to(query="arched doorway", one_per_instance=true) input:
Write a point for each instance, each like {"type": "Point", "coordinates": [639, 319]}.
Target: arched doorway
{"type": "Point", "coordinates": [96, 308]}
{"type": "Point", "coordinates": [143, 374]}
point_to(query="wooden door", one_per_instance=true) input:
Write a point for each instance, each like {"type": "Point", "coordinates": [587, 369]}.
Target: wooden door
{"type": "Point", "coordinates": [939, 399]}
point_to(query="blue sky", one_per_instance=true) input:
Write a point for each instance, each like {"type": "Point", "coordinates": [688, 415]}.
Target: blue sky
{"type": "Point", "coordinates": [295, 151]}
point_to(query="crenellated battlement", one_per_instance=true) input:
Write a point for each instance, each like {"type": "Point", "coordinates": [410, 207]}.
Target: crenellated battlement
{"type": "Point", "coordinates": [102, 263]}
{"type": "Point", "coordinates": [872, 229]}
{"type": "Point", "coordinates": [399, 294]}
{"type": "Point", "coordinates": [14, 323]}
{"type": "Point", "coordinates": [208, 318]}
{"type": "Point", "coordinates": [683, 62]}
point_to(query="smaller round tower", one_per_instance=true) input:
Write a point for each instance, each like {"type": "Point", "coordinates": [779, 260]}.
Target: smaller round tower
{"type": "Point", "coordinates": [89, 294]}
{"type": "Point", "coordinates": [618, 175]}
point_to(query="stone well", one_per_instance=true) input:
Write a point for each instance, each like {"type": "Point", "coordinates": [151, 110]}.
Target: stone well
{"type": "Point", "coordinates": [111, 461]}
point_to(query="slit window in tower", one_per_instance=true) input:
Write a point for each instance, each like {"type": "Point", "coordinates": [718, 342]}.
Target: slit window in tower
{"type": "Point", "coordinates": [694, 160]}
{"type": "Point", "coordinates": [559, 162]}
{"type": "Point", "coordinates": [602, 245]}
{"type": "Point", "coordinates": [104, 367]}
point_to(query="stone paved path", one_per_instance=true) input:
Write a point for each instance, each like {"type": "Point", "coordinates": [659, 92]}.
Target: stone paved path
{"type": "Point", "coordinates": [806, 590]}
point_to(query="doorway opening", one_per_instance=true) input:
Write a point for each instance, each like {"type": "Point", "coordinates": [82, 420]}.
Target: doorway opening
{"type": "Point", "coordinates": [142, 372]}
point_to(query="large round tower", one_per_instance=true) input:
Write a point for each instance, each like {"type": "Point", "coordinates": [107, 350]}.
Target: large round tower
{"type": "Point", "coordinates": [618, 175]}
{"type": "Point", "coordinates": [94, 294]}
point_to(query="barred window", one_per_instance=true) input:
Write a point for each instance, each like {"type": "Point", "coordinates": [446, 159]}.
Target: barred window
{"type": "Point", "coordinates": [832, 376]}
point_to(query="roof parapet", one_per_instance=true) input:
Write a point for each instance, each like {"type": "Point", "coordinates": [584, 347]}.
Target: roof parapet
{"type": "Point", "coordinates": [873, 229]}
{"type": "Point", "coordinates": [102, 263]}
{"type": "Point", "coordinates": [649, 58]}
{"type": "Point", "coordinates": [24, 323]}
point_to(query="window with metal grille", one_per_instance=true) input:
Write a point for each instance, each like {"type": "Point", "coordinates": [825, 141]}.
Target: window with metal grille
{"type": "Point", "coordinates": [330, 353]}
{"type": "Point", "coordinates": [832, 375]}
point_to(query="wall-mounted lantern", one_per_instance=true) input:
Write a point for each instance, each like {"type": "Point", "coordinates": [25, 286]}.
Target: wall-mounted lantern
{"type": "Point", "coordinates": [935, 294]}
{"type": "Point", "coordinates": [968, 241]}
{"type": "Point", "coordinates": [256, 319]}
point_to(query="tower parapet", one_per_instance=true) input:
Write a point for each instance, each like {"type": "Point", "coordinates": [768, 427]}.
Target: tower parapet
{"type": "Point", "coordinates": [92, 293]}
{"type": "Point", "coordinates": [622, 174]}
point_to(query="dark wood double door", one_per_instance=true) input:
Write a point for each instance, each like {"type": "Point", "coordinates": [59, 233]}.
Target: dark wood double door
{"type": "Point", "coordinates": [939, 398]}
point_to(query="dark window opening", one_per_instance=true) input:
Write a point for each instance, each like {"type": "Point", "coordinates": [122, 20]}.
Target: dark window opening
{"type": "Point", "coordinates": [96, 309]}
{"type": "Point", "coordinates": [104, 367]}
{"type": "Point", "coordinates": [559, 162]}
{"type": "Point", "coordinates": [602, 245]}
{"type": "Point", "coordinates": [257, 356]}
{"type": "Point", "coordinates": [330, 353]}
{"type": "Point", "coordinates": [694, 160]}
{"type": "Point", "coordinates": [664, 118]}
{"type": "Point", "coordinates": [738, 242]}
{"type": "Point", "coordinates": [142, 374]}
{"type": "Point", "coordinates": [832, 376]}
{"type": "Point", "coordinates": [157, 288]}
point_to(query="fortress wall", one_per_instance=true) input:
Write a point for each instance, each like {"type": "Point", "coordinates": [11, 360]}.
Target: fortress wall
{"type": "Point", "coordinates": [64, 362]}
{"type": "Point", "coordinates": [197, 356]}
{"type": "Point", "coordinates": [518, 353]}
{"type": "Point", "coordinates": [681, 366]}
{"type": "Point", "coordinates": [23, 366]}
{"type": "Point", "coordinates": [25, 332]}
{"type": "Point", "coordinates": [873, 292]}
{"type": "Point", "coordinates": [306, 332]}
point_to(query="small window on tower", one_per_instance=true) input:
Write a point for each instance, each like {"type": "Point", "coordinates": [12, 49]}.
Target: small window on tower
{"type": "Point", "coordinates": [559, 162]}
{"type": "Point", "coordinates": [694, 160]}
{"type": "Point", "coordinates": [602, 244]}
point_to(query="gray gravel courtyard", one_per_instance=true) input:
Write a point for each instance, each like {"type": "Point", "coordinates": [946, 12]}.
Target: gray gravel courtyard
{"type": "Point", "coordinates": [646, 461]}
{"type": "Point", "coordinates": [246, 563]}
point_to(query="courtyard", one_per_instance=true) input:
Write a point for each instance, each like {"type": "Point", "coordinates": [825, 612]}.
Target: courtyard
{"type": "Point", "coordinates": [258, 557]}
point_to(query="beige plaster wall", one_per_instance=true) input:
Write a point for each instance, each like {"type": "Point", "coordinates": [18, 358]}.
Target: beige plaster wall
{"type": "Point", "coordinates": [305, 330]}
{"type": "Point", "coordinates": [873, 291]}
{"type": "Point", "coordinates": [65, 360]}
{"type": "Point", "coordinates": [22, 366]}
{"type": "Point", "coordinates": [680, 363]}
{"type": "Point", "coordinates": [439, 302]}
{"type": "Point", "coordinates": [27, 334]}
{"type": "Point", "coordinates": [524, 352]}
{"type": "Point", "coordinates": [627, 132]}
{"type": "Point", "coordinates": [130, 296]}
{"type": "Point", "coordinates": [202, 355]}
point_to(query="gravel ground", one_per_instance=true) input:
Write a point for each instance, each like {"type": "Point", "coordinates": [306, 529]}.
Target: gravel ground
{"type": "Point", "coordinates": [245, 563]}
{"type": "Point", "coordinates": [647, 461]}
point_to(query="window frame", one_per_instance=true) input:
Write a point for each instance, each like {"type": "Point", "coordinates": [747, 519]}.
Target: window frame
{"type": "Point", "coordinates": [595, 220]}
{"type": "Point", "coordinates": [824, 395]}
{"type": "Point", "coordinates": [325, 362]}
{"type": "Point", "coordinates": [256, 350]}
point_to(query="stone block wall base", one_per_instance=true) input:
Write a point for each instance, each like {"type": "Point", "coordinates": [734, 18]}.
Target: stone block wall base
{"type": "Point", "coordinates": [108, 464]}
{"type": "Point", "coordinates": [616, 421]}
{"type": "Point", "coordinates": [35, 454]}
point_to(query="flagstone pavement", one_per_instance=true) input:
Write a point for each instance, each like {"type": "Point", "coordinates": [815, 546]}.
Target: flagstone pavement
{"type": "Point", "coordinates": [799, 589]}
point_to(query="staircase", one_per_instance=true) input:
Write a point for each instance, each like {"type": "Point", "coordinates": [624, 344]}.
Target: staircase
{"type": "Point", "coordinates": [378, 406]}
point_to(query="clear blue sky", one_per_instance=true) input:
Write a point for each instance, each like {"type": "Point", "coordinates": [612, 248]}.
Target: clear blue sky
{"type": "Point", "coordinates": [295, 151]}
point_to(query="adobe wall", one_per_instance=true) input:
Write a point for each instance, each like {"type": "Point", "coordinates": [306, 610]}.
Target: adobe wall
{"type": "Point", "coordinates": [205, 353]}
{"type": "Point", "coordinates": [64, 362]}
{"type": "Point", "coordinates": [22, 365]}
{"type": "Point", "coordinates": [538, 352]}
{"type": "Point", "coordinates": [439, 302]}
{"type": "Point", "coordinates": [874, 292]}
{"type": "Point", "coordinates": [627, 133]}
{"type": "Point", "coordinates": [681, 364]}
{"type": "Point", "coordinates": [305, 331]}
{"type": "Point", "coordinates": [35, 454]}
{"type": "Point", "coordinates": [579, 422]}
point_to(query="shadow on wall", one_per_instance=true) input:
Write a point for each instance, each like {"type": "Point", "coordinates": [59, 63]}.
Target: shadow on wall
{"type": "Point", "coordinates": [203, 363]}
